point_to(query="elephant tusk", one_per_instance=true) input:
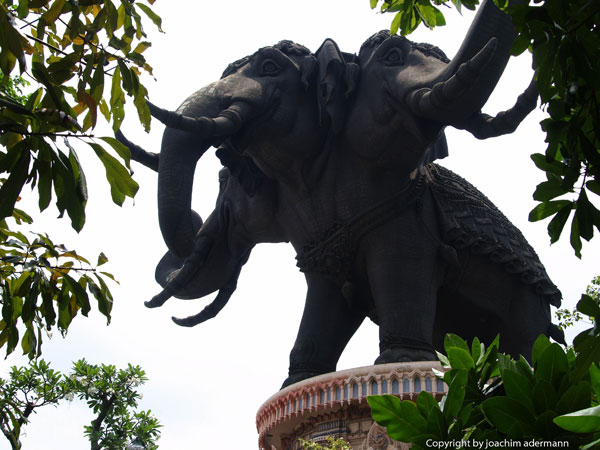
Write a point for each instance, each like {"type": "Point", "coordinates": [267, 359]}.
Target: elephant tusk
{"type": "Point", "coordinates": [218, 303]}
{"type": "Point", "coordinates": [209, 311]}
{"type": "Point", "coordinates": [190, 268]}
{"type": "Point", "coordinates": [228, 121]}
{"type": "Point", "coordinates": [483, 126]}
{"type": "Point", "coordinates": [430, 102]}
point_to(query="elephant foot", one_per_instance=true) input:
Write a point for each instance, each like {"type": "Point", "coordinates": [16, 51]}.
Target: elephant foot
{"type": "Point", "coordinates": [299, 376]}
{"type": "Point", "coordinates": [404, 354]}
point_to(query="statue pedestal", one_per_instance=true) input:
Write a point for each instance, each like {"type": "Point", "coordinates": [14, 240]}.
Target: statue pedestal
{"type": "Point", "coordinates": [335, 404]}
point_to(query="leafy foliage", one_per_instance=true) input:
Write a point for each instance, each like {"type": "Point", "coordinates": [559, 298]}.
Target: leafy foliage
{"type": "Point", "coordinates": [110, 393]}
{"type": "Point", "coordinates": [331, 444]}
{"type": "Point", "coordinates": [44, 285]}
{"type": "Point", "coordinates": [26, 389]}
{"type": "Point", "coordinates": [569, 317]}
{"type": "Point", "coordinates": [492, 397]}
{"type": "Point", "coordinates": [564, 39]}
{"type": "Point", "coordinates": [13, 87]}
{"type": "Point", "coordinates": [82, 58]}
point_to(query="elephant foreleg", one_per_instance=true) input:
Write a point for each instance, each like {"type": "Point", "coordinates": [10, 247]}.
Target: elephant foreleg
{"type": "Point", "coordinates": [405, 271]}
{"type": "Point", "coordinates": [328, 323]}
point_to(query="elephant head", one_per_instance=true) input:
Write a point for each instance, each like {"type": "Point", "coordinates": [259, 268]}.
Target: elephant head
{"type": "Point", "coordinates": [258, 104]}
{"type": "Point", "coordinates": [244, 215]}
{"type": "Point", "coordinates": [409, 92]}
{"type": "Point", "coordinates": [222, 245]}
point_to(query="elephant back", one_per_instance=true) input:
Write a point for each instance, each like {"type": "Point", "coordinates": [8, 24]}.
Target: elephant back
{"type": "Point", "coordinates": [470, 221]}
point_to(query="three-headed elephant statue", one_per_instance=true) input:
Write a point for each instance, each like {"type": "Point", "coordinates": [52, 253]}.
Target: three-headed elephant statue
{"type": "Point", "coordinates": [333, 152]}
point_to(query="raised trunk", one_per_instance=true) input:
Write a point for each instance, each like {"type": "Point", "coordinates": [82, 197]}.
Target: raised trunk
{"type": "Point", "coordinates": [486, 49]}
{"type": "Point", "coordinates": [489, 23]}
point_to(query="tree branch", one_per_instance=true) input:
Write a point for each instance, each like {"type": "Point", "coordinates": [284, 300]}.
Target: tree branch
{"type": "Point", "coordinates": [97, 422]}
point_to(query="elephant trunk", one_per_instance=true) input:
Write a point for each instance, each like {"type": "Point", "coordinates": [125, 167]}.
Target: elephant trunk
{"type": "Point", "coordinates": [185, 140]}
{"type": "Point", "coordinates": [464, 85]}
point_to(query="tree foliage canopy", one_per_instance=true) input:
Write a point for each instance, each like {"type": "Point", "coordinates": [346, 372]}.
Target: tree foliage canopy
{"type": "Point", "coordinates": [564, 40]}
{"type": "Point", "coordinates": [112, 394]}
{"type": "Point", "coordinates": [82, 58]}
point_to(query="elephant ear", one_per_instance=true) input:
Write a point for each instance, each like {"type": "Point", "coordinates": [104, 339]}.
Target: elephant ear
{"type": "Point", "coordinates": [336, 81]}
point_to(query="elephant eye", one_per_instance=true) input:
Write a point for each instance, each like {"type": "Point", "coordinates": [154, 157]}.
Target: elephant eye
{"type": "Point", "coordinates": [393, 56]}
{"type": "Point", "coordinates": [269, 67]}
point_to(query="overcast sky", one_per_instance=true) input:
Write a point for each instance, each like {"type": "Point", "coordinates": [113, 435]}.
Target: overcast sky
{"type": "Point", "coordinates": [206, 383]}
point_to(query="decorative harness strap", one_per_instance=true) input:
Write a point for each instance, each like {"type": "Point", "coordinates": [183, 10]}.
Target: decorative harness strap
{"type": "Point", "coordinates": [335, 252]}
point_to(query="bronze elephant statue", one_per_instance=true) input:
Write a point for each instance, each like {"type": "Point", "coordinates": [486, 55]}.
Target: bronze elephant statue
{"type": "Point", "coordinates": [333, 152]}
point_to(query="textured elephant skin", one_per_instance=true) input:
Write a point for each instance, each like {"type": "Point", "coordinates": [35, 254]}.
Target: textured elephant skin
{"type": "Point", "coordinates": [333, 152]}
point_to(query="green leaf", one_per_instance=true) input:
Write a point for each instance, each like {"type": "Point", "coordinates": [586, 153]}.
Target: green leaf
{"type": "Point", "coordinates": [518, 387]}
{"type": "Point", "coordinates": [81, 296]}
{"type": "Point", "coordinates": [548, 190]}
{"type": "Point", "coordinates": [395, 24]}
{"type": "Point", "coordinates": [544, 396]}
{"type": "Point", "coordinates": [588, 353]}
{"type": "Point", "coordinates": [68, 196]}
{"type": "Point", "coordinates": [20, 286]}
{"type": "Point", "coordinates": [121, 183]}
{"type": "Point", "coordinates": [97, 83]}
{"type": "Point", "coordinates": [102, 295]}
{"type": "Point", "coordinates": [540, 344]}
{"type": "Point", "coordinates": [544, 164]}
{"type": "Point", "coordinates": [443, 359]}
{"type": "Point", "coordinates": [28, 342]}
{"type": "Point", "coordinates": [126, 77]}
{"type": "Point", "coordinates": [400, 418]}
{"type": "Point", "coordinates": [55, 10]}
{"type": "Point", "coordinates": [460, 358]}
{"type": "Point", "coordinates": [452, 340]}
{"type": "Point", "coordinates": [575, 238]}
{"type": "Point", "coordinates": [586, 212]}
{"type": "Point", "coordinates": [584, 421]}
{"type": "Point", "coordinates": [139, 100]}
{"type": "Point", "coordinates": [477, 351]}
{"type": "Point", "coordinates": [10, 190]}
{"type": "Point", "coordinates": [30, 303]}
{"type": "Point", "coordinates": [426, 403]}
{"type": "Point", "coordinates": [117, 99]}
{"type": "Point", "coordinates": [557, 224]}
{"type": "Point", "coordinates": [544, 425]}
{"type": "Point", "coordinates": [521, 44]}
{"type": "Point", "coordinates": [437, 425]}
{"type": "Point", "coordinates": [151, 15]}
{"type": "Point", "coordinates": [427, 14]}
{"type": "Point", "coordinates": [548, 208]}
{"type": "Point", "coordinates": [552, 364]}
{"type": "Point", "coordinates": [588, 306]}
{"type": "Point", "coordinates": [122, 150]}
{"type": "Point", "coordinates": [594, 186]}
{"type": "Point", "coordinates": [456, 395]}
{"type": "Point", "coordinates": [374, 3]}
{"type": "Point", "coordinates": [43, 167]}
{"type": "Point", "coordinates": [440, 20]}
{"type": "Point", "coordinates": [576, 397]}
{"type": "Point", "coordinates": [595, 379]}
{"type": "Point", "coordinates": [102, 259]}
{"type": "Point", "coordinates": [509, 416]}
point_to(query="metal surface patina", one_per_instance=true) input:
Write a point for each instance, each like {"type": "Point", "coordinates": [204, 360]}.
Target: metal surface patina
{"type": "Point", "coordinates": [334, 153]}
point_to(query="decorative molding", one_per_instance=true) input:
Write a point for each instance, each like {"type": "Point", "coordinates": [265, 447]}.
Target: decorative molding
{"type": "Point", "coordinates": [334, 404]}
